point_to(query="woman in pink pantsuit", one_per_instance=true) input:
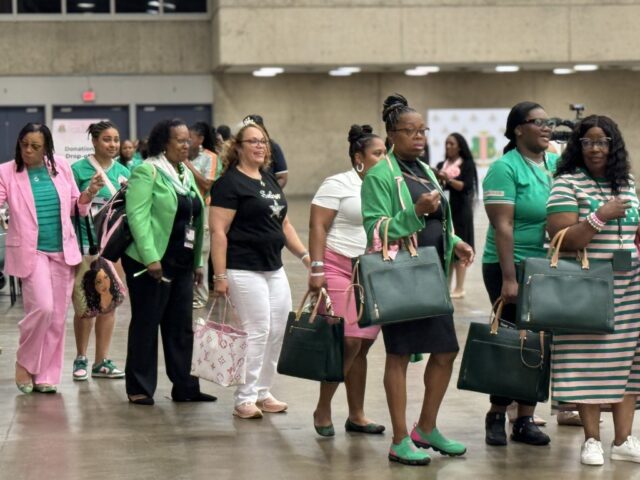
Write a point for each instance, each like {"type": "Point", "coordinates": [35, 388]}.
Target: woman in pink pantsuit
{"type": "Point", "coordinates": [42, 250]}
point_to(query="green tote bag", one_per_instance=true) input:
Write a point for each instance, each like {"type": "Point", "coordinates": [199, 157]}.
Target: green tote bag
{"type": "Point", "coordinates": [565, 295]}
{"type": "Point", "coordinates": [410, 286]}
{"type": "Point", "coordinates": [313, 345]}
{"type": "Point", "coordinates": [506, 362]}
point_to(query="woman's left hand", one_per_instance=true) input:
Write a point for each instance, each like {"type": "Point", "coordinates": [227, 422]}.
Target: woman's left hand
{"type": "Point", "coordinates": [465, 253]}
{"type": "Point", "coordinates": [198, 276]}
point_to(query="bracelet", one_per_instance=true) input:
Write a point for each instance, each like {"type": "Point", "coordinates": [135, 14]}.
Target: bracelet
{"type": "Point", "coordinates": [598, 220]}
{"type": "Point", "coordinates": [597, 227]}
{"type": "Point", "coordinates": [317, 263]}
{"type": "Point", "coordinates": [316, 274]}
{"type": "Point", "coordinates": [88, 192]}
{"type": "Point", "coordinates": [220, 276]}
{"type": "Point", "coordinates": [304, 255]}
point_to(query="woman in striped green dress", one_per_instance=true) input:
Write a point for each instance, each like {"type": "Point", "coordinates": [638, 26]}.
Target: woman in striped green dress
{"type": "Point", "coordinates": [595, 196]}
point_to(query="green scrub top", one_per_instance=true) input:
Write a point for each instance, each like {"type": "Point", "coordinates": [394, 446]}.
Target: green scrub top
{"type": "Point", "coordinates": [518, 181]}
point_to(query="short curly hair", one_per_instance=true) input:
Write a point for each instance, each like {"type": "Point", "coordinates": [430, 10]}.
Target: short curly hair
{"type": "Point", "coordinates": [161, 135]}
{"type": "Point", "coordinates": [618, 167]}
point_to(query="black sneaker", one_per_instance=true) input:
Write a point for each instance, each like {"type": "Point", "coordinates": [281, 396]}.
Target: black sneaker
{"type": "Point", "coordinates": [495, 433]}
{"type": "Point", "coordinates": [526, 431]}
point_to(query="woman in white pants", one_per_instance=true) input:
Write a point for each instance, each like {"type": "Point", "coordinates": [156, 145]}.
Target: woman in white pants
{"type": "Point", "coordinates": [249, 227]}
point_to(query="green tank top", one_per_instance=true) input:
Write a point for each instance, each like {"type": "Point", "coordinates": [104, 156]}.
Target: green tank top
{"type": "Point", "coordinates": [47, 210]}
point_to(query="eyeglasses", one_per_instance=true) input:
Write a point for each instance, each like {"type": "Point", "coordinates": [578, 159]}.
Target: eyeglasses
{"type": "Point", "coordinates": [542, 122]}
{"type": "Point", "coordinates": [601, 143]}
{"type": "Point", "coordinates": [185, 141]}
{"type": "Point", "coordinates": [254, 142]}
{"type": "Point", "coordinates": [34, 146]}
{"type": "Point", "coordinates": [412, 132]}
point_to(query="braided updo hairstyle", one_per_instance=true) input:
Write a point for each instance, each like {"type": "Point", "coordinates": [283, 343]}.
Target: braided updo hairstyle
{"type": "Point", "coordinates": [392, 109]}
{"type": "Point", "coordinates": [360, 137]}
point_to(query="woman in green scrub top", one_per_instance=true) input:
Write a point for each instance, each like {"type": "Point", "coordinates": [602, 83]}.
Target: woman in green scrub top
{"type": "Point", "coordinates": [516, 190]}
{"type": "Point", "coordinates": [106, 141]}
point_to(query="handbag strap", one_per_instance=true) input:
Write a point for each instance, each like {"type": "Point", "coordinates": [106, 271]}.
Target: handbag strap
{"type": "Point", "coordinates": [556, 246]}
{"type": "Point", "coordinates": [93, 249]}
{"type": "Point", "coordinates": [408, 243]}
{"type": "Point", "coordinates": [227, 302]}
{"type": "Point", "coordinates": [314, 312]}
{"type": "Point", "coordinates": [98, 168]}
{"type": "Point", "coordinates": [494, 320]}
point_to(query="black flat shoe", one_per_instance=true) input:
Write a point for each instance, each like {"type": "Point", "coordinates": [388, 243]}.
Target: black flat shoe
{"type": "Point", "coordinates": [526, 431]}
{"type": "Point", "coordinates": [494, 431]}
{"type": "Point", "coordinates": [372, 428]}
{"type": "Point", "coordinates": [142, 400]}
{"type": "Point", "coordinates": [199, 397]}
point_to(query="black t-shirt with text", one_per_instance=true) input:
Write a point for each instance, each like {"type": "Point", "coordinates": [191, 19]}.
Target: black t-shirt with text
{"type": "Point", "coordinates": [255, 238]}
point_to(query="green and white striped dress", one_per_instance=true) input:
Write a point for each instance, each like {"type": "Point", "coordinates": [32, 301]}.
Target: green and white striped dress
{"type": "Point", "coordinates": [600, 368]}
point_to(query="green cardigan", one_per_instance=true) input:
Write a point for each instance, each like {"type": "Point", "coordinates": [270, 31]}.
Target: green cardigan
{"type": "Point", "coordinates": [382, 188]}
{"type": "Point", "coordinates": [152, 203]}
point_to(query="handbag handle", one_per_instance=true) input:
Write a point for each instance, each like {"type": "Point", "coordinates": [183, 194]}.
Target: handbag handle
{"type": "Point", "coordinates": [494, 319]}
{"type": "Point", "coordinates": [385, 243]}
{"type": "Point", "coordinates": [355, 283]}
{"type": "Point", "coordinates": [556, 245]}
{"type": "Point", "coordinates": [314, 312]}
{"type": "Point", "coordinates": [227, 302]}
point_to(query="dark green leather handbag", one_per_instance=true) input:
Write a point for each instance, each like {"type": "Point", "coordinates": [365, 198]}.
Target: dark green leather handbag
{"type": "Point", "coordinates": [565, 295]}
{"type": "Point", "coordinates": [410, 286]}
{"type": "Point", "coordinates": [313, 345]}
{"type": "Point", "coordinates": [506, 362]}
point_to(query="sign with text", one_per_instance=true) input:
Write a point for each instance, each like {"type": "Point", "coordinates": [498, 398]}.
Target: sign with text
{"type": "Point", "coordinates": [71, 139]}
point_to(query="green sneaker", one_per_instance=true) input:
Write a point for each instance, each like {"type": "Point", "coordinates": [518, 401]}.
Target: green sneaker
{"type": "Point", "coordinates": [406, 453]}
{"type": "Point", "coordinates": [106, 369]}
{"type": "Point", "coordinates": [438, 442]}
{"type": "Point", "coordinates": [80, 368]}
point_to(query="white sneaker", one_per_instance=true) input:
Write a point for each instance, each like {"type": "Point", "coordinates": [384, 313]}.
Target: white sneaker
{"type": "Point", "coordinates": [629, 450]}
{"type": "Point", "coordinates": [592, 453]}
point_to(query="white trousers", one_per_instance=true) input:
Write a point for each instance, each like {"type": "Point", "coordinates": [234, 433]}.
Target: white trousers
{"type": "Point", "coordinates": [263, 303]}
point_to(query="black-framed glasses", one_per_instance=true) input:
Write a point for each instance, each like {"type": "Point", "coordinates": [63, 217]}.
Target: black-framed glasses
{"type": "Point", "coordinates": [254, 142]}
{"type": "Point", "coordinates": [602, 143]}
{"type": "Point", "coordinates": [34, 146]}
{"type": "Point", "coordinates": [412, 132]}
{"type": "Point", "coordinates": [542, 122]}
{"type": "Point", "coordinates": [182, 141]}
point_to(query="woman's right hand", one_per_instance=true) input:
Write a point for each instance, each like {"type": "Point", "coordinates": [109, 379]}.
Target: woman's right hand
{"type": "Point", "coordinates": [614, 208]}
{"type": "Point", "coordinates": [509, 291]}
{"type": "Point", "coordinates": [155, 270]}
{"type": "Point", "coordinates": [317, 283]}
{"type": "Point", "coordinates": [221, 287]}
{"type": "Point", "coordinates": [427, 203]}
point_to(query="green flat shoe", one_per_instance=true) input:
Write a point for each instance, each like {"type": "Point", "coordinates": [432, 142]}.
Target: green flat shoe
{"type": "Point", "coordinates": [45, 388]}
{"type": "Point", "coordinates": [406, 453]}
{"type": "Point", "coordinates": [327, 431]}
{"type": "Point", "coordinates": [438, 442]}
{"type": "Point", "coordinates": [372, 428]}
{"type": "Point", "coordinates": [25, 388]}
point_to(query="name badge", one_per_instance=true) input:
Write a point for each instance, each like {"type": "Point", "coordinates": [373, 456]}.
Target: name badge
{"type": "Point", "coordinates": [622, 261]}
{"type": "Point", "coordinates": [189, 237]}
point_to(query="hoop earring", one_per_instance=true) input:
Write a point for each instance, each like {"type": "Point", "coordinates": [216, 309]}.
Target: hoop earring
{"type": "Point", "coordinates": [360, 167]}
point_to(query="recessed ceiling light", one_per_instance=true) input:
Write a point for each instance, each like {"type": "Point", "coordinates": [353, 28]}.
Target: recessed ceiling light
{"type": "Point", "coordinates": [585, 68]}
{"type": "Point", "coordinates": [153, 3]}
{"type": "Point", "coordinates": [350, 69]}
{"type": "Point", "coordinates": [86, 5]}
{"type": "Point", "coordinates": [169, 6]}
{"type": "Point", "coordinates": [414, 72]}
{"type": "Point", "coordinates": [563, 71]}
{"type": "Point", "coordinates": [339, 73]}
{"type": "Point", "coordinates": [268, 71]}
{"type": "Point", "coordinates": [507, 68]}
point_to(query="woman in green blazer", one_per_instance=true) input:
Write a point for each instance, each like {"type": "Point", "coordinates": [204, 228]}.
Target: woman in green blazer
{"type": "Point", "coordinates": [165, 215]}
{"type": "Point", "coordinates": [406, 191]}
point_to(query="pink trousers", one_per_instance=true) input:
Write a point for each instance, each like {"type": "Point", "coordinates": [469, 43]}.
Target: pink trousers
{"type": "Point", "coordinates": [46, 296]}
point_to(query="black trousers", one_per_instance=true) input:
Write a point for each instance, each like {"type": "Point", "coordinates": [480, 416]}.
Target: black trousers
{"type": "Point", "coordinates": [169, 306]}
{"type": "Point", "coordinates": [492, 276]}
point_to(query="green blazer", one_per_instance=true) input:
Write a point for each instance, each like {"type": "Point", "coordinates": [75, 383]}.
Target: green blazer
{"type": "Point", "coordinates": [383, 193]}
{"type": "Point", "coordinates": [152, 203]}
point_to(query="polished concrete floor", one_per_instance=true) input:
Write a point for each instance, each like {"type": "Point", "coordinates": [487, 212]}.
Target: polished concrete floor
{"type": "Point", "coordinates": [90, 431]}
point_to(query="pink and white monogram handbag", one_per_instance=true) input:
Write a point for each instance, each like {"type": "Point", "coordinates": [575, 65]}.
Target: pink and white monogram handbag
{"type": "Point", "coordinates": [219, 350]}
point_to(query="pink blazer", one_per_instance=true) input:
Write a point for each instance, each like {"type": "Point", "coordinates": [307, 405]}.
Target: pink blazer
{"type": "Point", "coordinates": [22, 237]}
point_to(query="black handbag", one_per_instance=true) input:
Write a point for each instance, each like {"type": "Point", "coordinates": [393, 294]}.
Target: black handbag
{"type": "Point", "coordinates": [313, 345]}
{"type": "Point", "coordinates": [409, 287]}
{"type": "Point", "coordinates": [565, 295]}
{"type": "Point", "coordinates": [112, 229]}
{"type": "Point", "coordinates": [506, 362]}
